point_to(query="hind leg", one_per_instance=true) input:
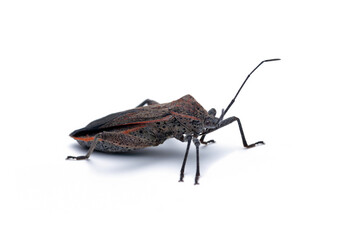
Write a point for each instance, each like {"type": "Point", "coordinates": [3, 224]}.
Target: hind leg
{"type": "Point", "coordinates": [90, 151]}
{"type": "Point", "coordinates": [115, 142]}
{"type": "Point", "coordinates": [148, 102]}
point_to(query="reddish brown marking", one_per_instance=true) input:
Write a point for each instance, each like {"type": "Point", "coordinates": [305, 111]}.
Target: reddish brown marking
{"type": "Point", "coordinates": [141, 125]}
{"type": "Point", "coordinates": [185, 116]}
{"type": "Point", "coordinates": [133, 129]}
{"type": "Point", "coordinates": [85, 139]}
{"type": "Point", "coordinates": [151, 121]}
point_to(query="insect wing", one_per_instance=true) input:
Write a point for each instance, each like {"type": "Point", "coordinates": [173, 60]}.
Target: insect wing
{"type": "Point", "coordinates": [140, 115]}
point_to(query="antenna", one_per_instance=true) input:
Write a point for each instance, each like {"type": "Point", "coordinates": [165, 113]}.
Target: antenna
{"type": "Point", "coordinates": [232, 101]}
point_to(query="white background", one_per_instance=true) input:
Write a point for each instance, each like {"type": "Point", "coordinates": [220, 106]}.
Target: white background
{"type": "Point", "coordinates": [66, 63]}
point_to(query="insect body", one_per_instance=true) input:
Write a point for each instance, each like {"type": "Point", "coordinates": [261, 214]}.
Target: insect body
{"type": "Point", "coordinates": [144, 126]}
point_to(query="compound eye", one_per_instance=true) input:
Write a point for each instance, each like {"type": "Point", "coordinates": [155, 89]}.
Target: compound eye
{"type": "Point", "coordinates": [212, 112]}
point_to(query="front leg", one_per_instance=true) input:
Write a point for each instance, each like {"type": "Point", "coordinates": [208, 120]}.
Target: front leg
{"type": "Point", "coordinates": [229, 120]}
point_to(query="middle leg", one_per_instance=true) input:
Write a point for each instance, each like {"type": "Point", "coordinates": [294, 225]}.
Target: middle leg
{"type": "Point", "coordinates": [188, 138]}
{"type": "Point", "coordinates": [206, 142]}
{"type": "Point", "coordinates": [197, 176]}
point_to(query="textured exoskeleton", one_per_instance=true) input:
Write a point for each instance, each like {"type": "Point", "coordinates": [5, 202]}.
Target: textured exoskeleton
{"type": "Point", "coordinates": [144, 126]}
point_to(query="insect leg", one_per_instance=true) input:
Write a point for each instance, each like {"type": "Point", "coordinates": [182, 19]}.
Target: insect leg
{"type": "Point", "coordinates": [197, 176]}
{"type": "Point", "coordinates": [188, 138]}
{"type": "Point", "coordinates": [205, 142]}
{"type": "Point", "coordinates": [90, 151]}
{"type": "Point", "coordinates": [229, 120]}
{"type": "Point", "coordinates": [148, 102]}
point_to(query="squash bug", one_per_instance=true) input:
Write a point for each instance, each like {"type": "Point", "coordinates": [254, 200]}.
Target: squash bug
{"type": "Point", "coordinates": [151, 123]}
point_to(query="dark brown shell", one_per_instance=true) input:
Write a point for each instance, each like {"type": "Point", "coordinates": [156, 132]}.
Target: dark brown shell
{"type": "Point", "coordinates": [186, 110]}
